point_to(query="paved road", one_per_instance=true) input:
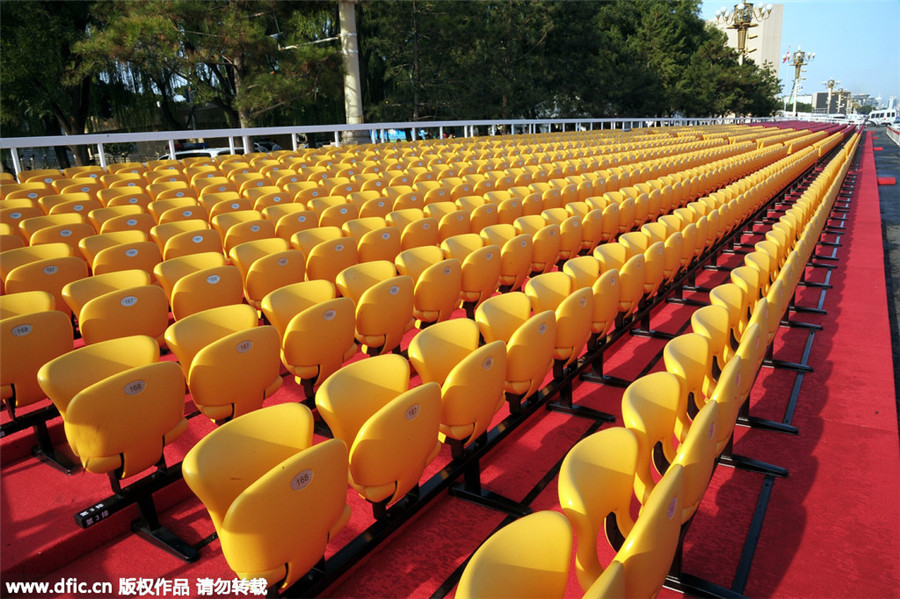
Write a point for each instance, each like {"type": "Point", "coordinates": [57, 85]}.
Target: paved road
{"type": "Point", "coordinates": [887, 164]}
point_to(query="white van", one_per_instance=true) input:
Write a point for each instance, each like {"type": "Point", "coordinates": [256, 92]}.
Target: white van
{"type": "Point", "coordinates": [882, 117]}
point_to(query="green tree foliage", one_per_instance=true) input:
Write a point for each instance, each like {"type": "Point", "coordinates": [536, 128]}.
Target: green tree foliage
{"type": "Point", "coordinates": [270, 62]}
{"type": "Point", "coordinates": [44, 88]}
{"type": "Point", "coordinates": [252, 58]}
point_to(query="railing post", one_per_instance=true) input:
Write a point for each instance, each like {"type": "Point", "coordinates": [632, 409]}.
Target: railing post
{"type": "Point", "coordinates": [102, 155]}
{"type": "Point", "coordinates": [172, 148]}
{"type": "Point", "coordinates": [17, 164]}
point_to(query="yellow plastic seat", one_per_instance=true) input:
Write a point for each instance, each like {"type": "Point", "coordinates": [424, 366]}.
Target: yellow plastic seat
{"type": "Point", "coordinates": [649, 548]}
{"type": "Point", "coordinates": [713, 323]}
{"type": "Point", "coordinates": [140, 255]}
{"type": "Point", "coordinates": [595, 490]}
{"type": "Point", "coordinates": [471, 377]}
{"type": "Point", "coordinates": [282, 304]}
{"type": "Point", "coordinates": [90, 246]}
{"type": "Point", "coordinates": [383, 243]}
{"type": "Point", "coordinates": [609, 585]}
{"type": "Point", "coordinates": [267, 265]}
{"type": "Point", "coordinates": [273, 470]}
{"type": "Point", "coordinates": [328, 258]}
{"type": "Point", "coordinates": [480, 267]}
{"type": "Point", "coordinates": [62, 378]}
{"type": "Point", "coordinates": [530, 341]}
{"type": "Point", "coordinates": [192, 242]}
{"type": "Point", "coordinates": [651, 406]}
{"type": "Point", "coordinates": [384, 313]}
{"type": "Point", "coordinates": [49, 274]}
{"type": "Point", "coordinates": [574, 309]}
{"type": "Point", "coordinates": [121, 423]}
{"type": "Point", "coordinates": [292, 219]}
{"type": "Point", "coordinates": [546, 241]}
{"type": "Point", "coordinates": [139, 310]}
{"type": "Point", "coordinates": [318, 340]}
{"type": "Point", "coordinates": [118, 418]}
{"type": "Point", "coordinates": [734, 300]}
{"type": "Point", "coordinates": [437, 283]}
{"type": "Point", "coordinates": [528, 558]}
{"type": "Point", "coordinates": [25, 302]}
{"type": "Point", "coordinates": [515, 254]}
{"type": "Point", "coordinates": [29, 340]}
{"type": "Point", "coordinates": [697, 456]}
{"type": "Point", "coordinates": [392, 431]}
{"type": "Point", "coordinates": [232, 364]}
{"type": "Point", "coordinates": [80, 292]}
{"type": "Point", "coordinates": [206, 288]}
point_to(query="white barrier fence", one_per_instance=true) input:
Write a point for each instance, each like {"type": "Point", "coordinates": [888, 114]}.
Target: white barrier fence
{"type": "Point", "coordinates": [894, 134]}
{"type": "Point", "coordinates": [241, 139]}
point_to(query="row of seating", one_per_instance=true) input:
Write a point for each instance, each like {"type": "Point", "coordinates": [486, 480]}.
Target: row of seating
{"type": "Point", "coordinates": [695, 401]}
{"type": "Point", "coordinates": [514, 385]}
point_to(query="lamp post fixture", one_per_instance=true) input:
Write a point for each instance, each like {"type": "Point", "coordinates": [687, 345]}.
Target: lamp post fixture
{"type": "Point", "coordinates": [830, 84]}
{"type": "Point", "coordinates": [741, 18]}
{"type": "Point", "coordinates": [800, 59]}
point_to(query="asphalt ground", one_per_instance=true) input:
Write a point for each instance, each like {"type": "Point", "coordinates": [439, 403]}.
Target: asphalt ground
{"type": "Point", "coordinates": [887, 164]}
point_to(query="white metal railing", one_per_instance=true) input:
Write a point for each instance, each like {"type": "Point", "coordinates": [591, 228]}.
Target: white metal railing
{"type": "Point", "coordinates": [375, 131]}
{"type": "Point", "coordinates": [893, 133]}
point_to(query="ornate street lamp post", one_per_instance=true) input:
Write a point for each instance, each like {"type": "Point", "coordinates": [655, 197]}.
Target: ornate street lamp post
{"type": "Point", "coordinates": [741, 18]}
{"type": "Point", "coordinates": [800, 59]}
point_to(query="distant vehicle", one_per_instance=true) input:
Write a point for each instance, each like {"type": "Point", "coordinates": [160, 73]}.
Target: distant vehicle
{"type": "Point", "coordinates": [882, 117]}
{"type": "Point", "coordinates": [202, 152]}
{"type": "Point", "coordinates": [896, 123]}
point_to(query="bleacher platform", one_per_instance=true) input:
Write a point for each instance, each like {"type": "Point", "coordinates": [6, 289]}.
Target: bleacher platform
{"type": "Point", "coordinates": [339, 371]}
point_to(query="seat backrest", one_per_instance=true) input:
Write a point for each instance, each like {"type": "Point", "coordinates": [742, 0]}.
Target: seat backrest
{"type": "Point", "coordinates": [233, 375]}
{"type": "Point", "coordinates": [29, 341]}
{"type": "Point", "coordinates": [396, 443]}
{"type": "Point", "coordinates": [713, 322]}
{"type": "Point", "coordinates": [141, 255]}
{"type": "Point", "coordinates": [436, 350]}
{"type": "Point", "coordinates": [384, 312]}
{"type": "Point", "coordinates": [352, 394]}
{"type": "Point", "coordinates": [245, 254]}
{"type": "Point", "coordinates": [78, 293]}
{"type": "Point", "coordinates": [332, 324]}
{"type": "Point", "coordinates": [499, 317]}
{"type": "Point", "coordinates": [194, 332]}
{"type": "Point", "coordinates": [168, 272]}
{"type": "Point", "coordinates": [205, 289]}
{"type": "Point", "coordinates": [25, 302]}
{"type": "Point", "coordinates": [354, 280]}
{"type": "Point", "coordinates": [274, 470]}
{"type": "Point", "coordinates": [51, 275]}
{"type": "Point", "coordinates": [142, 310]}
{"type": "Point", "coordinates": [649, 548]}
{"type": "Point", "coordinates": [689, 358]}
{"type": "Point", "coordinates": [121, 423]}
{"type": "Point", "coordinates": [650, 407]}
{"type": "Point", "coordinates": [547, 291]}
{"type": "Point", "coordinates": [530, 353]}
{"type": "Point", "coordinates": [528, 558]}
{"type": "Point", "coordinates": [595, 490]}
{"type": "Point", "coordinates": [63, 377]}
{"type": "Point", "coordinates": [697, 455]}
{"type": "Point", "coordinates": [328, 258]}
{"type": "Point", "coordinates": [583, 271]}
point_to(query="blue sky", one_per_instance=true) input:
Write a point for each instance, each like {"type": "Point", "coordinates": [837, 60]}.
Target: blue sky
{"type": "Point", "coordinates": [856, 43]}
